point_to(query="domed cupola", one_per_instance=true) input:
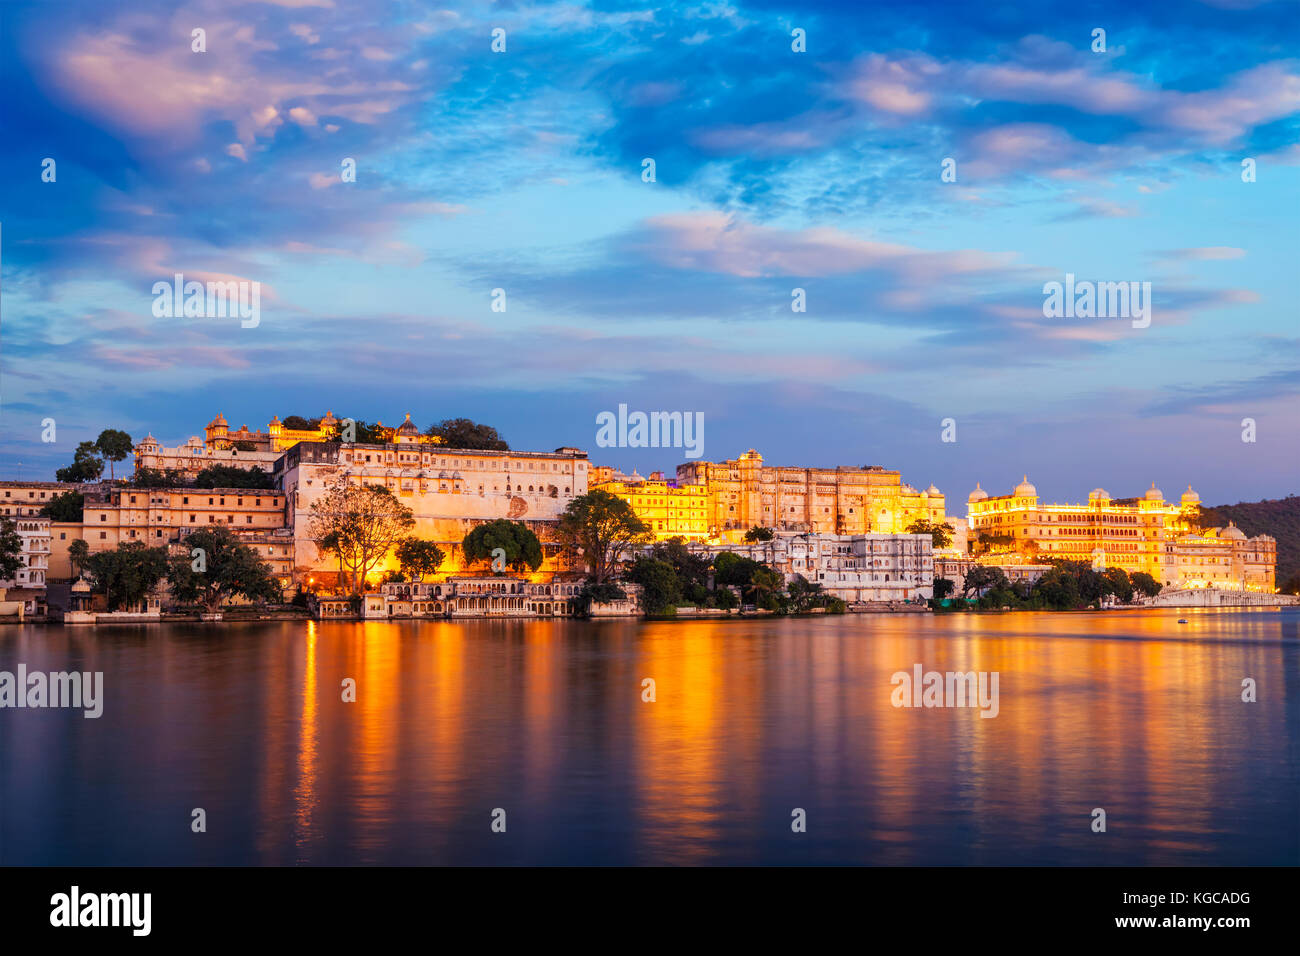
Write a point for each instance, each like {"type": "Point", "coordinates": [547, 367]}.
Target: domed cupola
{"type": "Point", "coordinates": [1025, 489]}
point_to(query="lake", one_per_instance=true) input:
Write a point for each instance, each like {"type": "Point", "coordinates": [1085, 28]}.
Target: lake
{"type": "Point", "coordinates": [1126, 711]}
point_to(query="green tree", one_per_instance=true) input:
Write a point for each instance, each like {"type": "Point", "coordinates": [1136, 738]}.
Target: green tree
{"type": "Point", "coordinates": [296, 423]}
{"type": "Point", "coordinates": [521, 546]}
{"type": "Point", "coordinates": [981, 578]}
{"type": "Point", "coordinates": [86, 465]}
{"type": "Point", "coordinates": [941, 534]}
{"type": "Point", "coordinates": [1149, 586]}
{"type": "Point", "coordinates": [463, 433]}
{"type": "Point", "coordinates": [218, 567]}
{"type": "Point", "coordinates": [805, 594]}
{"type": "Point", "coordinates": [78, 556]}
{"type": "Point", "coordinates": [11, 550]}
{"type": "Point", "coordinates": [756, 534]}
{"type": "Point", "coordinates": [1120, 584]}
{"type": "Point", "coordinates": [692, 569]}
{"type": "Point", "coordinates": [228, 476]}
{"type": "Point", "coordinates": [114, 446]}
{"type": "Point", "coordinates": [65, 507]}
{"type": "Point", "coordinates": [943, 587]}
{"type": "Point", "coordinates": [361, 431]}
{"type": "Point", "coordinates": [127, 574]}
{"type": "Point", "coordinates": [156, 478]}
{"type": "Point", "coordinates": [600, 526]}
{"type": "Point", "coordinates": [660, 588]}
{"type": "Point", "coordinates": [765, 584]}
{"type": "Point", "coordinates": [361, 524]}
{"type": "Point", "coordinates": [419, 558]}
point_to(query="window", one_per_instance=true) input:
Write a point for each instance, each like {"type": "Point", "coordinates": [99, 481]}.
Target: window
{"type": "Point", "coordinates": [103, 535]}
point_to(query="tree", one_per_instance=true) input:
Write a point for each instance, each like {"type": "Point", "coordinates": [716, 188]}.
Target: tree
{"type": "Point", "coordinates": [1120, 583]}
{"type": "Point", "coordinates": [660, 589]}
{"type": "Point", "coordinates": [78, 555]}
{"type": "Point", "coordinates": [463, 433]}
{"type": "Point", "coordinates": [1292, 585]}
{"type": "Point", "coordinates": [601, 526]}
{"type": "Point", "coordinates": [692, 569]}
{"type": "Point", "coordinates": [1149, 586]}
{"type": "Point", "coordinates": [228, 476]}
{"type": "Point", "coordinates": [127, 574]}
{"type": "Point", "coordinates": [983, 577]}
{"type": "Point", "coordinates": [361, 524]}
{"type": "Point", "coordinates": [65, 507]}
{"type": "Point", "coordinates": [941, 534]}
{"type": "Point", "coordinates": [418, 557]}
{"type": "Point", "coordinates": [11, 550]}
{"type": "Point", "coordinates": [222, 569]}
{"type": "Point", "coordinates": [756, 534]}
{"type": "Point", "coordinates": [296, 423]}
{"type": "Point", "coordinates": [943, 587]}
{"type": "Point", "coordinates": [114, 445]}
{"type": "Point", "coordinates": [156, 478]}
{"type": "Point", "coordinates": [86, 465]}
{"type": "Point", "coordinates": [765, 584]}
{"type": "Point", "coordinates": [522, 549]}
{"type": "Point", "coordinates": [805, 594]}
{"type": "Point", "coordinates": [363, 433]}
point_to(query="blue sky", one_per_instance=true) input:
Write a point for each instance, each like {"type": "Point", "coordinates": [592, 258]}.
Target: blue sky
{"type": "Point", "coordinates": [775, 170]}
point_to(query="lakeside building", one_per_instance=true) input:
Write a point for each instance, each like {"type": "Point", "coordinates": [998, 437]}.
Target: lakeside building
{"type": "Point", "coordinates": [164, 516]}
{"type": "Point", "coordinates": [450, 491]}
{"type": "Point", "coordinates": [473, 596]}
{"type": "Point", "coordinates": [869, 568]}
{"type": "Point", "coordinates": [1147, 534]}
{"type": "Point", "coordinates": [28, 585]}
{"type": "Point", "coordinates": [743, 493]}
{"type": "Point", "coordinates": [19, 498]}
{"type": "Point", "coordinates": [669, 508]}
{"type": "Point", "coordinates": [242, 448]}
{"type": "Point", "coordinates": [954, 567]}
{"type": "Point", "coordinates": [191, 458]}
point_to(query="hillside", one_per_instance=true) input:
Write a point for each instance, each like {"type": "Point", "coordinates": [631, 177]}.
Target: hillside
{"type": "Point", "coordinates": [1277, 517]}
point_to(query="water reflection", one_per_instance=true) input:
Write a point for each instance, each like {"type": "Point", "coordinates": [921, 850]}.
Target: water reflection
{"type": "Point", "coordinates": [1128, 711]}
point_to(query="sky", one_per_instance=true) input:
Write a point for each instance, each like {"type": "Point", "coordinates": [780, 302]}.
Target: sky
{"type": "Point", "coordinates": [1113, 159]}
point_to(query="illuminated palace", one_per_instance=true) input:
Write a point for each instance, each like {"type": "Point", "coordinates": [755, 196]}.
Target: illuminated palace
{"type": "Point", "coordinates": [241, 448]}
{"type": "Point", "coordinates": [450, 491]}
{"type": "Point", "coordinates": [743, 493]}
{"type": "Point", "coordinates": [1146, 534]}
{"type": "Point", "coordinates": [670, 508]}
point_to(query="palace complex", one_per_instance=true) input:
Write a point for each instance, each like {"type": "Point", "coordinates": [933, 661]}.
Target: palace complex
{"type": "Point", "coordinates": [1147, 533]}
{"type": "Point", "coordinates": [844, 528]}
{"type": "Point", "coordinates": [742, 493]}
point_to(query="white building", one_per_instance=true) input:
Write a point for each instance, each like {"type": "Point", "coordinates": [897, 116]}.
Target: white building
{"type": "Point", "coordinates": [195, 455]}
{"type": "Point", "coordinates": [450, 491]}
{"type": "Point", "coordinates": [857, 568]}
{"type": "Point", "coordinates": [28, 583]}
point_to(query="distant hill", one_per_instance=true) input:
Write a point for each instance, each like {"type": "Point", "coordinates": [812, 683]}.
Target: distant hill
{"type": "Point", "coordinates": [1277, 517]}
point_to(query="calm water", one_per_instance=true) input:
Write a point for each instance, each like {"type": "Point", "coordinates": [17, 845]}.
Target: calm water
{"type": "Point", "coordinates": [1129, 711]}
